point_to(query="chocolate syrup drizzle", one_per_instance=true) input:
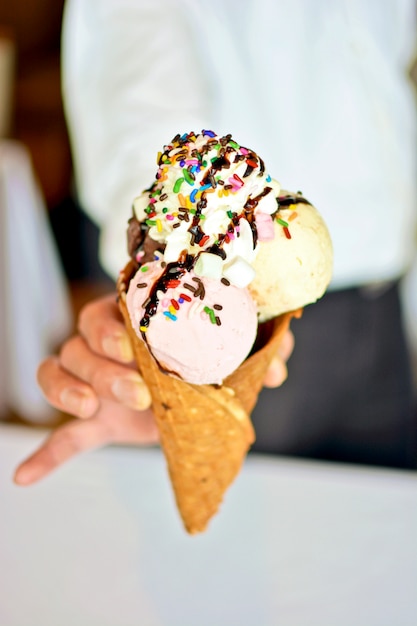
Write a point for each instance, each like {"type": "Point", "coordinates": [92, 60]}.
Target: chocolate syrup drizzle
{"type": "Point", "coordinates": [289, 199]}
{"type": "Point", "coordinates": [172, 271]}
{"type": "Point", "coordinates": [140, 241]}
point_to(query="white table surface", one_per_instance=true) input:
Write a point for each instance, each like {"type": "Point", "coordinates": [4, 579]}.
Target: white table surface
{"type": "Point", "coordinates": [99, 543]}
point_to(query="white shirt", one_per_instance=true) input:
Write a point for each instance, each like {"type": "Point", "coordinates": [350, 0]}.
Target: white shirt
{"type": "Point", "coordinates": [318, 88]}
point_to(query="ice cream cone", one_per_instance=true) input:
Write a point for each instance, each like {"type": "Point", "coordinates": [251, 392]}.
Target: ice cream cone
{"type": "Point", "coordinates": [205, 430]}
{"type": "Point", "coordinates": [247, 380]}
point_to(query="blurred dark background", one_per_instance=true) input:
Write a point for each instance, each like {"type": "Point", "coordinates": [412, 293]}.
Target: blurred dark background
{"type": "Point", "coordinates": [36, 119]}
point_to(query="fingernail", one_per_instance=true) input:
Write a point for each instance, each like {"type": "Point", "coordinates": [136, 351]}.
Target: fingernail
{"type": "Point", "coordinates": [77, 402]}
{"type": "Point", "coordinates": [118, 347]}
{"type": "Point", "coordinates": [23, 476]}
{"type": "Point", "coordinates": [132, 392]}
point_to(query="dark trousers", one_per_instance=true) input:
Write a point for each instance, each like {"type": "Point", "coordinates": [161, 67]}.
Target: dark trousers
{"type": "Point", "coordinates": [349, 393]}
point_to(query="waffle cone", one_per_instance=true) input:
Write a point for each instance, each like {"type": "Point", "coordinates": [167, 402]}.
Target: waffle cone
{"type": "Point", "coordinates": [205, 430]}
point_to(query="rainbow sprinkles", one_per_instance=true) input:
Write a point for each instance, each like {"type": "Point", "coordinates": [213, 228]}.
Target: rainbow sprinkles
{"type": "Point", "coordinates": [210, 204]}
{"type": "Point", "coordinates": [208, 193]}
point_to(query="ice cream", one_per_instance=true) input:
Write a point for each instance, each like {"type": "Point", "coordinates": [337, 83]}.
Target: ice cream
{"type": "Point", "coordinates": [204, 199]}
{"type": "Point", "coordinates": [216, 248]}
{"type": "Point", "coordinates": [188, 332]}
{"type": "Point", "coordinates": [299, 255]}
{"type": "Point", "coordinates": [213, 205]}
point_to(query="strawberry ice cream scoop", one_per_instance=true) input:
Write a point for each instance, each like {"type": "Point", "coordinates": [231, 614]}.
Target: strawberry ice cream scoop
{"type": "Point", "coordinates": [197, 328]}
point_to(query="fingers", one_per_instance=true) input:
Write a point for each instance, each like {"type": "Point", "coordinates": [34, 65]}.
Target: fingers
{"type": "Point", "coordinates": [277, 372]}
{"type": "Point", "coordinates": [108, 379]}
{"type": "Point", "coordinates": [112, 423]}
{"type": "Point", "coordinates": [66, 442]}
{"type": "Point", "coordinates": [66, 392]}
{"type": "Point", "coordinates": [81, 376]}
{"type": "Point", "coordinates": [91, 378]}
{"type": "Point", "coordinates": [287, 346]}
{"type": "Point", "coordinates": [101, 325]}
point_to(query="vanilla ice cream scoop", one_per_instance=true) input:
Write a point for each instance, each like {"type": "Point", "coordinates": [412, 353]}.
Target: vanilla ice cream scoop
{"type": "Point", "coordinates": [294, 260]}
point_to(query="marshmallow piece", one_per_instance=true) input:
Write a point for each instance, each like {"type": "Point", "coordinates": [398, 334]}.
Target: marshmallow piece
{"type": "Point", "coordinates": [176, 242]}
{"type": "Point", "coordinates": [239, 272]}
{"type": "Point", "coordinates": [209, 265]}
{"type": "Point", "coordinates": [265, 227]}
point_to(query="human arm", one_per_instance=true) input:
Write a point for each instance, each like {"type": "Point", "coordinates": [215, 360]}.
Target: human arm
{"type": "Point", "coordinates": [132, 80]}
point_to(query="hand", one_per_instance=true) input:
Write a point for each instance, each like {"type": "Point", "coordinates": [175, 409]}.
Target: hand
{"type": "Point", "coordinates": [94, 379]}
{"type": "Point", "coordinates": [277, 372]}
